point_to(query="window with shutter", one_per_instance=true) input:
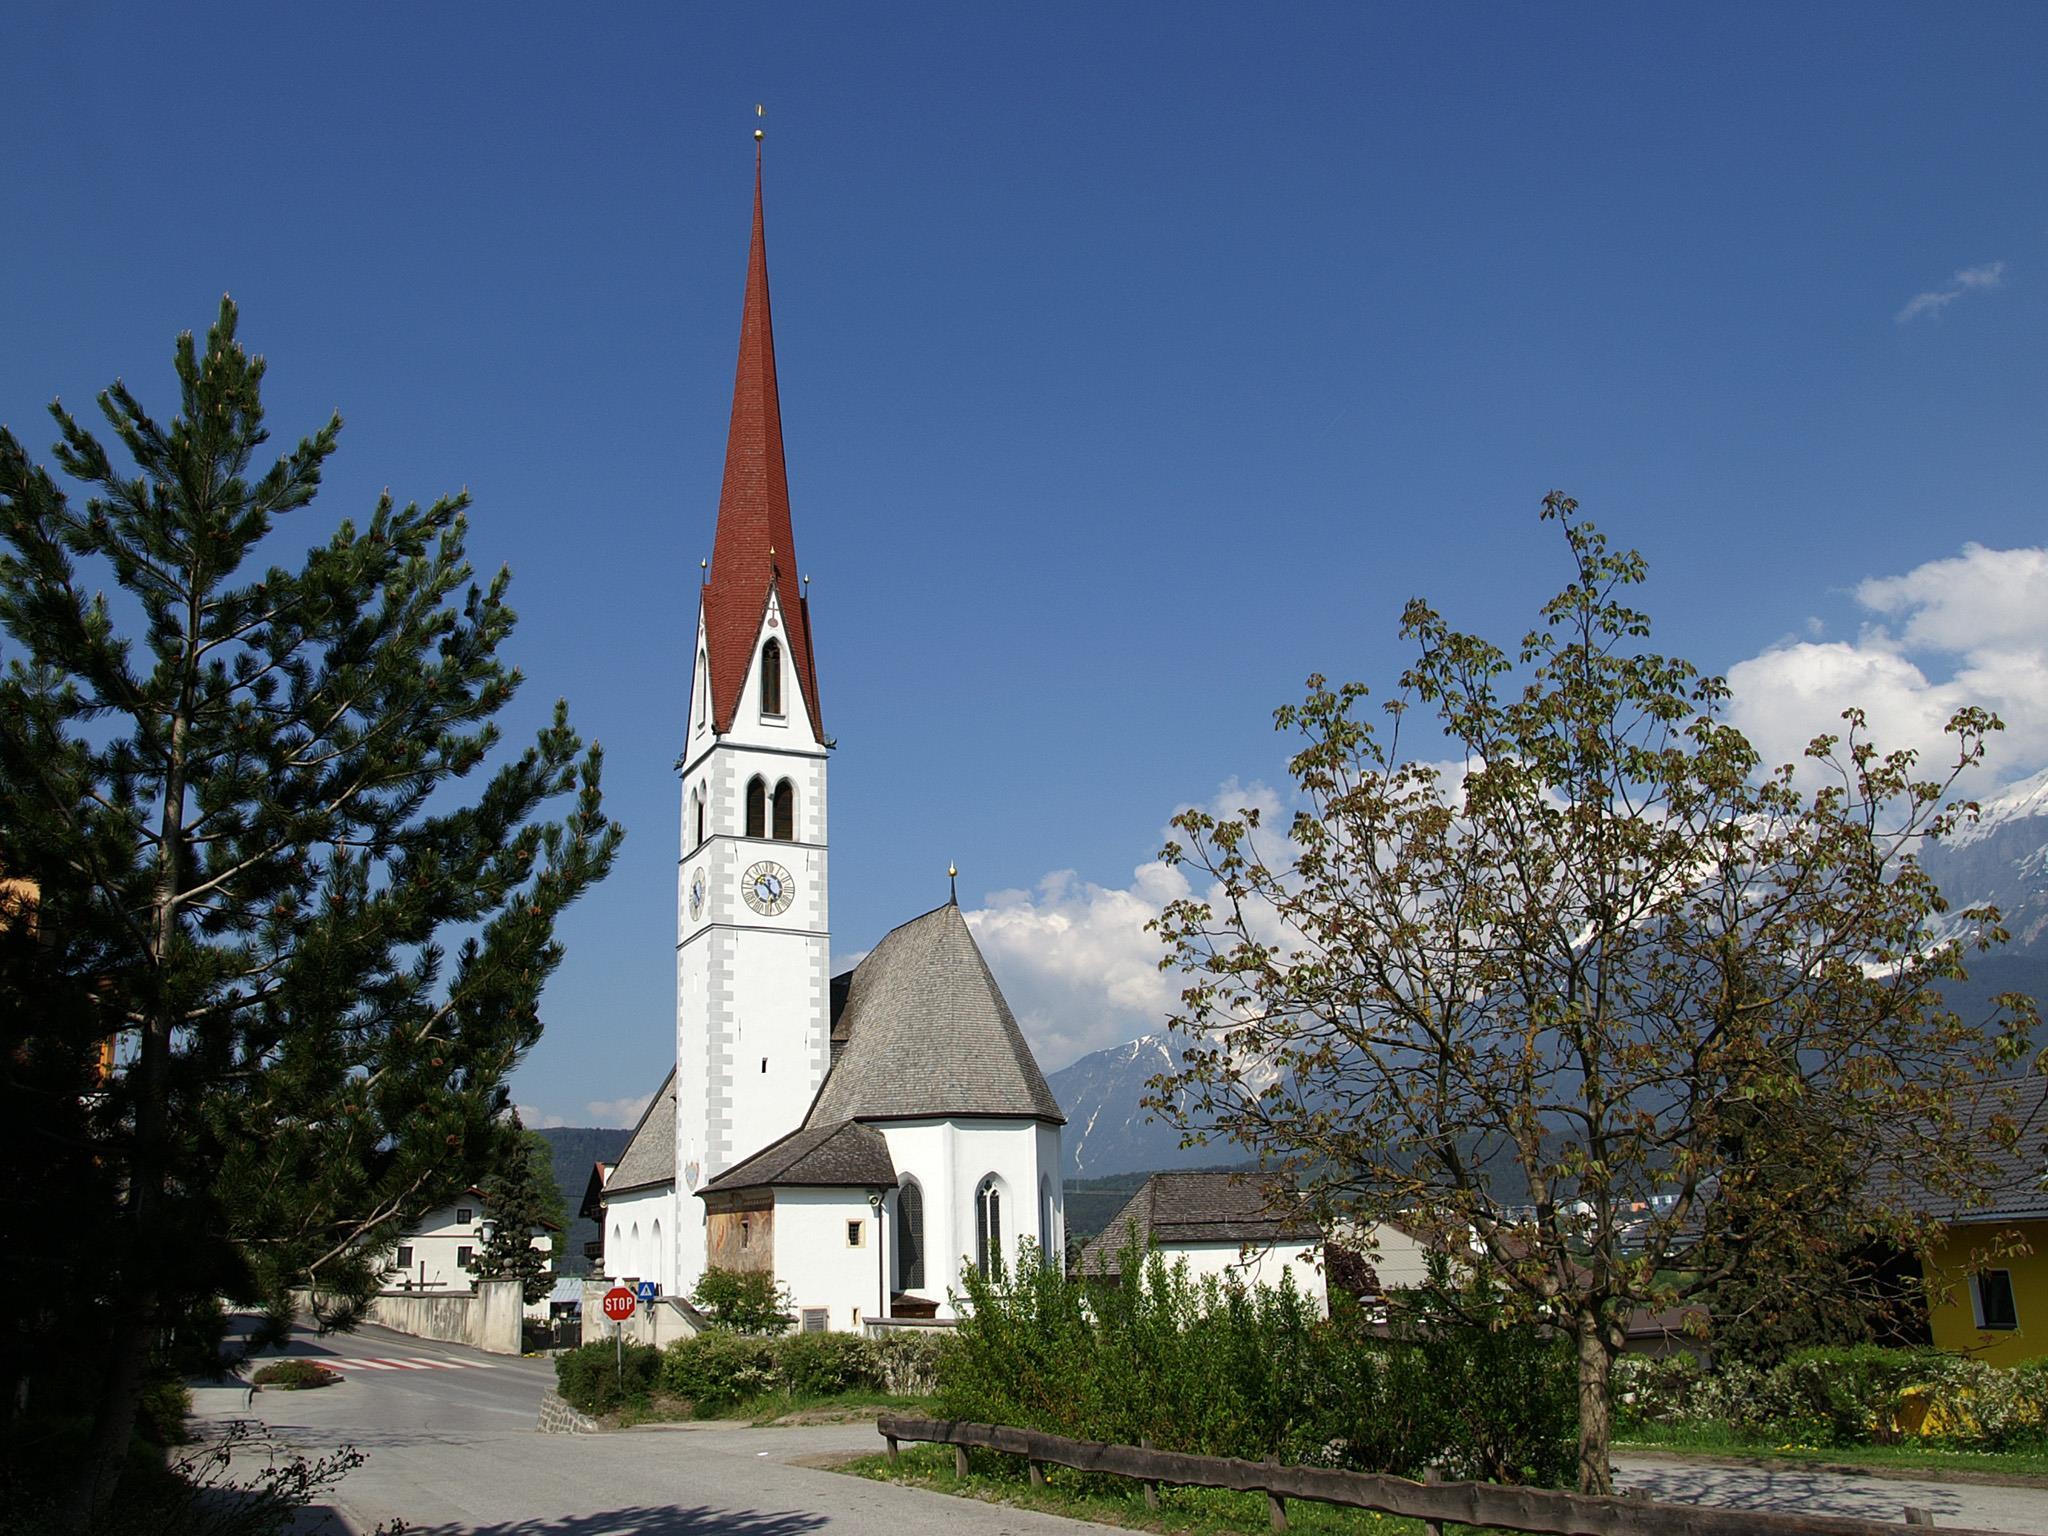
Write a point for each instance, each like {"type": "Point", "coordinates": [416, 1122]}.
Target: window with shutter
{"type": "Point", "coordinates": [909, 1237]}
{"type": "Point", "coordinates": [785, 812]}
{"type": "Point", "coordinates": [757, 808]}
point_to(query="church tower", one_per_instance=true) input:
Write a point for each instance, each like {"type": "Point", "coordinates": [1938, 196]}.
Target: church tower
{"type": "Point", "coordinates": [753, 1009]}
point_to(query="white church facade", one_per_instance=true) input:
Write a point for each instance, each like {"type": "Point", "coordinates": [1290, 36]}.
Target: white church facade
{"type": "Point", "coordinates": [860, 1137]}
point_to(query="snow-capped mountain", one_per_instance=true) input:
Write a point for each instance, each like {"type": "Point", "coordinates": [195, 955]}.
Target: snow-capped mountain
{"type": "Point", "coordinates": [1107, 1129]}
{"type": "Point", "coordinates": [2002, 858]}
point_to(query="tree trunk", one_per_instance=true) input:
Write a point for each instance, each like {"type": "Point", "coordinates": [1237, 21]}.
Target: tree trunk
{"type": "Point", "coordinates": [1596, 1423]}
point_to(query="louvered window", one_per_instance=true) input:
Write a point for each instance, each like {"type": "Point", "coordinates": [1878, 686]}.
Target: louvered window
{"type": "Point", "coordinates": [757, 808]}
{"type": "Point", "coordinates": [909, 1238]}
{"type": "Point", "coordinates": [771, 678]}
{"type": "Point", "coordinates": [785, 812]}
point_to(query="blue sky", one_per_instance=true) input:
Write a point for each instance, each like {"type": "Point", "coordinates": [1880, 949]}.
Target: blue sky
{"type": "Point", "coordinates": [1135, 363]}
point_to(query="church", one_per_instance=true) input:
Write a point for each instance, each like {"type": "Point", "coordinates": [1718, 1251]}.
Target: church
{"type": "Point", "coordinates": [860, 1137]}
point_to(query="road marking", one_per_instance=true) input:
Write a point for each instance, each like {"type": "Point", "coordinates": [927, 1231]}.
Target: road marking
{"type": "Point", "coordinates": [404, 1363]}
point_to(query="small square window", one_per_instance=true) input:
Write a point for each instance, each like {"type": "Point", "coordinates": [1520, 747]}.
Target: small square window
{"type": "Point", "coordinates": [464, 1215]}
{"type": "Point", "coordinates": [1996, 1307]}
{"type": "Point", "coordinates": [814, 1319]}
{"type": "Point", "coordinates": [463, 1256]}
{"type": "Point", "coordinates": [404, 1258]}
{"type": "Point", "coordinates": [856, 1234]}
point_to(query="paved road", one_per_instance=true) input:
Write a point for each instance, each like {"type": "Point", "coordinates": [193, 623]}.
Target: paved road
{"type": "Point", "coordinates": [452, 1449]}
{"type": "Point", "coordinates": [1977, 1506]}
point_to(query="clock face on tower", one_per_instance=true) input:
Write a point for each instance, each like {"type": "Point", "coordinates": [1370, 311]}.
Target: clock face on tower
{"type": "Point", "coordinates": [768, 888]}
{"type": "Point", "coordinates": [697, 894]}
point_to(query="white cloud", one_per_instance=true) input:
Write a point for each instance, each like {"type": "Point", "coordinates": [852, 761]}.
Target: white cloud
{"type": "Point", "coordinates": [1970, 279]}
{"type": "Point", "coordinates": [1074, 959]}
{"type": "Point", "coordinates": [1971, 629]}
{"type": "Point", "coordinates": [536, 1119]}
{"type": "Point", "coordinates": [624, 1112]}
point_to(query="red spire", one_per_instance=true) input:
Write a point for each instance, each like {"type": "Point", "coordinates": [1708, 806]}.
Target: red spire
{"type": "Point", "coordinates": [754, 550]}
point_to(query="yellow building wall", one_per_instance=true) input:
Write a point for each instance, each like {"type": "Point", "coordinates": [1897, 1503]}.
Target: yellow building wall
{"type": "Point", "coordinates": [1953, 1322]}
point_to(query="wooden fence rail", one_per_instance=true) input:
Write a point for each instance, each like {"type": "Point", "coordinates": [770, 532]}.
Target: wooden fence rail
{"type": "Point", "coordinates": [1537, 1510]}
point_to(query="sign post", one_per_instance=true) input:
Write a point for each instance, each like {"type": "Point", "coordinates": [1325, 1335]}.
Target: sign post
{"type": "Point", "coordinates": [618, 1306]}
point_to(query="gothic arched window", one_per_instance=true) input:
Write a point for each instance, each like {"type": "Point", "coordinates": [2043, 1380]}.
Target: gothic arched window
{"type": "Point", "coordinates": [988, 1228]}
{"type": "Point", "coordinates": [698, 797]}
{"type": "Point", "coordinates": [785, 812]}
{"type": "Point", "coordinates": [909, 1236]}
{"type": "Point", "coordinates": [1045, 1222]}
{"type": "Point", "coordinates": [771, 678]}
{"type": "Point", "coordinates": [757, 808]}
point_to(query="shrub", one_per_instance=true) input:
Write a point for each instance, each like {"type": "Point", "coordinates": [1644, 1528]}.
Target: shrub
{"type": "Point", "coordinates": [742, 1301]}
{"type": "Point", "coordinates": [1841, 1395]}
{"type": "Point", "coordinates": [826, 1364]}
{"type": "Point", "coordinates": [589, 1377]}
{"type": "Point", "coordinates": [295, 1375]}
{"type": "Point", "coordinates": [1223, 1369]}
{"type": "Point", "coordinates": [160, 1416]}
{"type": "Point", "coordinates": [716, 1371]}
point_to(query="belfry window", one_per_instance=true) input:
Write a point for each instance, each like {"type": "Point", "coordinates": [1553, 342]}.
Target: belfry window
{"type": "Point", "coordinates": [909, 1237]}
{"type": "Point", "coordinates": [988, 1229]}
{"type": "Point", "coordinates": [757, 807]}
{"type": "Point", "coordinates": [785, 812]}
{"type": "Point", "coordinates": [771, 678]}
{"type": "Point", "coordinates": [698, 797]}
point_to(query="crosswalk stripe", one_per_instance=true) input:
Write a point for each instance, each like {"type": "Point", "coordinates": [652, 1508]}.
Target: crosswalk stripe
{"type": "Point", "coordinates": [368, 1365]}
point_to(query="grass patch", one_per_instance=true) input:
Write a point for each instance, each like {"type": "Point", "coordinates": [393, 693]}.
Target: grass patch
{"type": "Point", "coordinates": [1930, 1459]}
{"type": "Point", "coordinates": [295, 1375]}
{"type": "Point", "coordinates": [998, 1479]}
{"type": "Point", "coordinates": [771, 1408]}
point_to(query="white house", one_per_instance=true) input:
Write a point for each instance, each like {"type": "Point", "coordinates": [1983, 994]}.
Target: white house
{"type": "Point", "coordinates": [862, 1136]}
{"type": "Point", "coordinates": [1223, 1224]}
{"type": "Point", "coordinates": [437, 1254]}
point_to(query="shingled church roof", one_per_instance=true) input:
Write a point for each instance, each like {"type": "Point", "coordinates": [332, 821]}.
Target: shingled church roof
{"type": "Point", "coordinates": [928, 1035]}
{"type": "Point", "coordinates": [842, 1155]}
{"type": "Point", "coordinates": [650, 1157]}
{"type": "Point", "coordinates": [1178, 1208]}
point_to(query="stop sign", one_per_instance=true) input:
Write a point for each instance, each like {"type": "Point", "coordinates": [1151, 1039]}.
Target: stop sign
{"type": "Point", "coordinates": [618, 1303]}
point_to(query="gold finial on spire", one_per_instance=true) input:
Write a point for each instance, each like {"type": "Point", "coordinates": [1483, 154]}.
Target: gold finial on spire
{"type": "Point", "coordinates": [952, 883]}
{"type": "Point", "coordinates": [759, 111]}
{"type": "Point", "coordinates": [703, 572]}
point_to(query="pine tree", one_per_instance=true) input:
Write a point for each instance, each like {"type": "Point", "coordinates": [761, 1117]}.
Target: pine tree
{"type": "Point", "coordinates": [519, 1196]}
{"type": "Point", "coordinates": [238, 794]}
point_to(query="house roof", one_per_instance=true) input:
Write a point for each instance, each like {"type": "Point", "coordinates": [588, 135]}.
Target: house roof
{"type": "Point", "coordinates": [753, 551]}
{"type": "Point", "coordinates": [929, 1035]}
{"type": "Point", "coordinates": [2016, 1185]}
{"type": "Point", "coordinates": [842, 1155]}
{"type": "Point", "coordinates": [650, 1157]}
{"type": "Point", "coordinates": [1174, 1209]}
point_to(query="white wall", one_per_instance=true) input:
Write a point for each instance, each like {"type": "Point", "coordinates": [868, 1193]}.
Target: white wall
{"type": "Point", "coordinates": [949, 1159]}
{"type": "Point", "coordinates": [1254, 1266]}
{"type": "Point", "coordinates": [813, 1258]}
{"type": "Point", "coordinates": [639, 1236]}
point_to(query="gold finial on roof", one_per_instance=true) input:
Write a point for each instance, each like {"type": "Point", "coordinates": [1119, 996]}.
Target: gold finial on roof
{"type": "Point", "coordinates": [952, 883]}
{"type": "Point", "coordinates": [759, 111]}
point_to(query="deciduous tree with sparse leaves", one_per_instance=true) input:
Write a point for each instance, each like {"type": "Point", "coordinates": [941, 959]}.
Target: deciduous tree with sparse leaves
{"type": "Point", "coordinates": [293, 910]}
{"type": "Point", "coordinates": [1550, 963]}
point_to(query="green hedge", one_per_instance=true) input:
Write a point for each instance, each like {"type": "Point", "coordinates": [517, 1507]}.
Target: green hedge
{"type": "Point", "coordinates": [598, 1378]}
{"type": "Point", "coordinates": [1223, 1370]}
{"type": "Point", "coordinates": [295, 1375]}
{"type": "Point", "coordinates": [721, 1370]}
